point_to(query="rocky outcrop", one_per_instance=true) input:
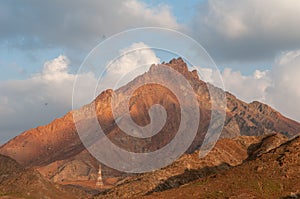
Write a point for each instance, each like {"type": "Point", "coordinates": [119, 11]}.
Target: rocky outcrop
{"type": "Point", "coordinates": [268, 143]}
{"type": "Point", "coordinates": [274, 174]}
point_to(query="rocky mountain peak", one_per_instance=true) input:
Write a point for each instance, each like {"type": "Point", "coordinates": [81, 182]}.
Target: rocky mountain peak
{"type": "Point", "coordinates": [58, 142]}
{"type": "Point", "coordinates": [180, 66]}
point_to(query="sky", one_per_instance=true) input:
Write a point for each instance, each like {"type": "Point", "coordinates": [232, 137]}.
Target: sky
{"type": "Point", "coordinates": [255, 44]}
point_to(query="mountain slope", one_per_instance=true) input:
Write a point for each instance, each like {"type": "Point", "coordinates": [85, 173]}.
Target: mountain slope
{"type": "Point", "coordinates": [273, 174]}
{"type": "Point", "coordinates": [57, 142]}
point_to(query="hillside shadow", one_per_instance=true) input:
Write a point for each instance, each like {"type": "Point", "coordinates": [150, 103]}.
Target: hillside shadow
{"type": "Point", "coordinates": [293, 195]}
{"type": "Point", "coordinates": [251, 151]}
{"type": "Point", "coordinates": [188, 176]}
{"type": "Point", "coordinates": [267, 143]}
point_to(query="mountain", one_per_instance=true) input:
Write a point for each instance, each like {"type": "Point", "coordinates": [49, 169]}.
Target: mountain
{"type": "Point", "coordinates": [274, 174]}
{"type": "Point", "coordinates": [57, 152]}
{"type": "Point", "coordinates": [18, 182]}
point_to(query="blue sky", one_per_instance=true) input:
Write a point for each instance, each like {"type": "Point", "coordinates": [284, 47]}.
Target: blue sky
{"type": "Point", "coordinates": [184, 11]}
{"type": "Point", "coordinates": [255, 44]}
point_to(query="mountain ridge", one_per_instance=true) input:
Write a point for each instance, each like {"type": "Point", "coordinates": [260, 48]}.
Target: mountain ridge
{"type": "Point", "coordinates": [58, 141]}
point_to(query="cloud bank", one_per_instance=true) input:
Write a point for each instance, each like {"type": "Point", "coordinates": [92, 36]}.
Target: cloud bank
{"type": "Point", "coordinates": [25, 104]}
{"type": "Point", "coordinates": [248, 30]}
{"type": "Point", "coordinates": [77, 24]}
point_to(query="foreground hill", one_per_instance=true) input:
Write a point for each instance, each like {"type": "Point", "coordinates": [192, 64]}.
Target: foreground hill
{"type": "Point", "coordinates": [274, 174]}
{"type": "Point", "coordinates": [226, 154]}
{"type": "Point", "coordinates": [58, 153]}
{"type": "Point", "coordinates": [17, 182]}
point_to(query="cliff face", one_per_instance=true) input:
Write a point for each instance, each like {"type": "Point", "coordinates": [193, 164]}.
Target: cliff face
{"type": "Point", "coordinates": [57, 144]}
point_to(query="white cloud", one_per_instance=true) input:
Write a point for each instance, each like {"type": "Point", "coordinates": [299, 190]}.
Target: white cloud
{"type": "Point", "coordinates": [133, 61]}
{"type": "Point", "coordinates": [248, 30]}
{"type": "Point", "coordinates": [247, 88]}
{"type": "Point", "coordinates": [56, 69]}
{"type": "Point", "coordinates": [136, 55]}
{"type": "Point", "coordinates": [278, 87]}
{"type": "Point", "coordinates": [157, 16]}
{"type": "Point", "coordinates": [284, 93]}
